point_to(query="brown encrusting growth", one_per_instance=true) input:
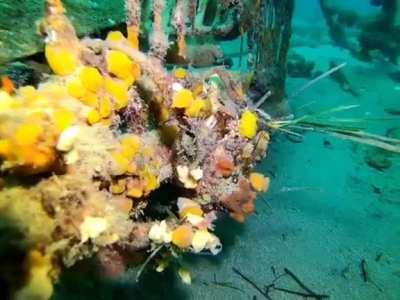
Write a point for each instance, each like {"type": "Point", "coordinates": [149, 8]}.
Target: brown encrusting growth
{"type": "Point", "coordinates": [241, 202]}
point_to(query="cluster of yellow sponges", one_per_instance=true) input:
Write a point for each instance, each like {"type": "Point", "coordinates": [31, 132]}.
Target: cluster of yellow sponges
{"type": "Point", "coordinates": [135, 168]}
{"type": "Point", "coordinates": [32, 121]}
{"type": "Point", "coordinates": [104, 93]}
{"type": "Point", "coordinates": [123, 157]}
{"type": "Point", "coordinates": [49, 126]}
{"type": "Point", "coordinates": [79, 94]}
{"type": "Point", "coordinates": [118, 63]}
{"type": "Point", "coordinates": [133, 37]}
{"type": "Point", "coordinates": [25, 149]}
{"type": "Point", "coordinates": [193, 106]}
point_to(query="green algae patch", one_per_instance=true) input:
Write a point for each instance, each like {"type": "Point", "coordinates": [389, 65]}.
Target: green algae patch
{"type": "Point", "coordinates": [20, 22]}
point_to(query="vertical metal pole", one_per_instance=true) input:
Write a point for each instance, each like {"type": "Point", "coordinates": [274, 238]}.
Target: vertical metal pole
{"type": "Point", "coordinates": [273, 44]}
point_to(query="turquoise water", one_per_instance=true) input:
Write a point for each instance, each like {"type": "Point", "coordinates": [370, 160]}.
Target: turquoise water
{"type": "Point", "coordinates": [330, 217]}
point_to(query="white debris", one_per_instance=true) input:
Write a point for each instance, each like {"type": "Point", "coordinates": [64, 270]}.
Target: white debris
{"type": "Point", "coordinates": [92, 227]}
{"type": "Point", "coordinates": [185, 178]}
{"type": "Point", "coordinates": [67, 138]}
{"type": "Point", "coordinates": [71, 157]}
{"type": "Point", "coordinates": [176, 86]}
{"type": "Point", "coordinates": [188, 177]}
{"type": "Point", "coordinates": [196, 174]}
{"type": "Point", "coordinates": [214, 245]}
{"type": "Point", "coordinates": [184, 203]}
{"type": "Point", "coordinates": [159, 233]}
{"type": "Point", "coordinates": [184, 274]}
{"type": "Point", "coordinates": [200, 240]}
{"type": "Point", "coordinates": [194, 220]}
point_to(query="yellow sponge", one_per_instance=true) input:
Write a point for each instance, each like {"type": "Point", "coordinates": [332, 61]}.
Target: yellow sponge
{"type": "Point", "coordinates": [28, 134]}
{"type": "Point", "coordinates": [198, 108]}
{"type": "Point", "coordinates": [63, 118]}
{"type": "Point", "coordinates": [76, 89]}
{"type": "Point", "coordinates": [120, 65]}
{"type": "Point", "coordinates": [115, 36]}
{"type": "Point", "coordinates": [182, 99]}
{"type": "Point", "coordinates": [248, 124]}
{"type": "Point", "coordinates": [105, 107]}
{"type": "Point", "coordinates": [91, 78]}
{"type": "Point", "coordinates": [93, 117]}
{"type": "Point", "coordinates": [62, 61]}
{"type": "Point", "coordinates": [130, 146]}
{"type": "Point", "coordinates": [119, 91]}
{"type": "Point", "coordinates": [180, 73]}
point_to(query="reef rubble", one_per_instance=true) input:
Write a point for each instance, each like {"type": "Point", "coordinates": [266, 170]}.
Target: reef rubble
{"type": "Point", "coordinates": [113, 154]}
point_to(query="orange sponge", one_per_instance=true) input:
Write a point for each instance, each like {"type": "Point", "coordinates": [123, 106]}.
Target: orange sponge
{"type": "Point", "coordinates": [182, 236]}
{"type": "Point", "coordinates": [133, 36]}
{"type": "Point", "coordinates": [259, 182]}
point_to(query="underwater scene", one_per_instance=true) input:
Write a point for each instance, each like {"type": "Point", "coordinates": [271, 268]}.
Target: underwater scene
{"type": "Point", "coordinates": [200, 149]}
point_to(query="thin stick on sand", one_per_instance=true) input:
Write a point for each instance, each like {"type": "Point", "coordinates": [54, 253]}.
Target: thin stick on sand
{"type": "Point", "coordinates": [315, 80]}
